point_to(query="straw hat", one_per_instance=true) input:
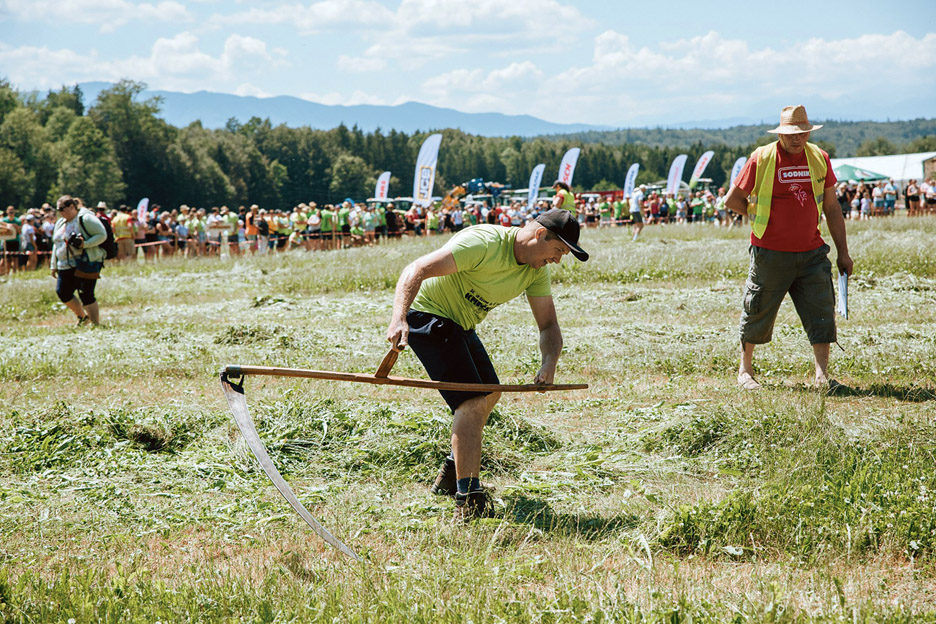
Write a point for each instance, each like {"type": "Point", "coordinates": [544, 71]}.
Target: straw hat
{"type": "Point", "coordinates": [793, 120]}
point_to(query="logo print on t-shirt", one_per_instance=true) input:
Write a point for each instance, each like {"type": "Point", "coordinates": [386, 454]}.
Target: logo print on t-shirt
{"type": "Point", "coordinates": [798, 192]}
{"type": "Point", "coordinates": [789, 175]}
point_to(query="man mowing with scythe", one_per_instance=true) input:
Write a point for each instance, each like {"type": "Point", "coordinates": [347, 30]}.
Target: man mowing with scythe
{"type": "Point", "coordinates": [443, 295]}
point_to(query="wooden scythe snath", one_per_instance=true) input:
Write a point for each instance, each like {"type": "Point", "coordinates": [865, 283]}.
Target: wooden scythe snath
{"type": "Point", "coordinates": [237, 401]}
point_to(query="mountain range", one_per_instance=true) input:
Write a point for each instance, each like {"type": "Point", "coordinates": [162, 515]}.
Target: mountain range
{"type": "Point", "coordinates": [215, 109]}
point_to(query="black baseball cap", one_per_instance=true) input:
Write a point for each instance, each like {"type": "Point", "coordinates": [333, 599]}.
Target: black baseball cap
{"type": "Point", "coordinates": [562, 223]}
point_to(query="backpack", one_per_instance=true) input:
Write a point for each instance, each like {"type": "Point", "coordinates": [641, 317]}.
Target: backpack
{"type": "Point", "coordinates": [263, 227]}
{"type": "Point", "coordinates": [110, 243]}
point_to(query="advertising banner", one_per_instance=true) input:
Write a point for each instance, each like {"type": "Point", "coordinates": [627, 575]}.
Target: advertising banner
{"type": "Point", "coordinates": [424, 178]}
{"type": "Point", "coordinates": [736, 170]}
{"type": "Point", "coordinates": [383, 183]}
{"type": "Point", "coordinates": [675, 175]}
{"type": "Point", "coordinates": [536, 178]}
{"type": "Point", "coordinates": [143, 209]}
{"type": "Point", "coordinates": [700, 166]}
{"type": "Point", "coordinates": [567, 167]}
{"type": "Point", "coordinates": [631, 180]}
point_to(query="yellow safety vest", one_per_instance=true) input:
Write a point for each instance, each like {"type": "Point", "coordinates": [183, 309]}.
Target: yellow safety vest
{"type": "Point", "coordinates": [764, 180]}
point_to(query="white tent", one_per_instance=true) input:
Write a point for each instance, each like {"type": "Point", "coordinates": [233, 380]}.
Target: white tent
{"type": "Point", "coordinates": [899, 167]}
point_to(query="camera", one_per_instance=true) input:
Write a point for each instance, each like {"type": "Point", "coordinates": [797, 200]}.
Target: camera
{"type": "Point", "coordinates": [75, 240]}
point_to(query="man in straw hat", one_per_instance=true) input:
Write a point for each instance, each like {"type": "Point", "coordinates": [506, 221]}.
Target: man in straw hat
{"type": "Point", "coordinates": [791, 185]}
{"type": "Point", "coordinates": [442, 296]}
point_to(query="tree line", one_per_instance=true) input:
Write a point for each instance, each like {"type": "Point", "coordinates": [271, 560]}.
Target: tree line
{"type": "Point", "coordinates": [119, 150]}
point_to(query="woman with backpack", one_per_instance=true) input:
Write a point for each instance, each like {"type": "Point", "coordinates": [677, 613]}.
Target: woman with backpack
{"type": "Point", "coordinates": [77, 258]}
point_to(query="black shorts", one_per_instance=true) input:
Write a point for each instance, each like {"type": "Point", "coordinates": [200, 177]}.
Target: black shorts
{"type": "Point", "coordinates": [67, 283]}
{"type": "Point", "coordinates": [346, 229]}
{"type": "Point", "coordinates": [11, 245]}
{"type": "Point", "coordinates": [449, 353]}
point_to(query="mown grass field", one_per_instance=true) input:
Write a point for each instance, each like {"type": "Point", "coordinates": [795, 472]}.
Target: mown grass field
{"type": "Point", "coordinates": [662, 493]}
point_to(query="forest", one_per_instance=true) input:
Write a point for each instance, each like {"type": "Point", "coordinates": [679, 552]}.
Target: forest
{"type": "Point", "coordinates": [118, 149]}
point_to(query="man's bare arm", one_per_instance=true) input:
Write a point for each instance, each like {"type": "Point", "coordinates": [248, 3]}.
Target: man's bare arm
{"type": "Point", "coordinates": [836, 222]}
{"type": "Point", "coordinates": [737, 200]}
{"type": "Point", "coordinates": [550, 337]}
{"type": "Point", "coordinates": [436, 264]}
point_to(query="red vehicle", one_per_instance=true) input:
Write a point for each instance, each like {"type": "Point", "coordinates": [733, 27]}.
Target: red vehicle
{"type": "Point", "coordinates": [600, 195]}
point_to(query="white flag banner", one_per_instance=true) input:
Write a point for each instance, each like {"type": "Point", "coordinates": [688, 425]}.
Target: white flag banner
{"type": "Point", "coordinates": [143, 209]}
{"type": "Point", "coordinates": [567, 166]}
{"type": "Point", "coordinates": [675, 175]}
{"type": "Point", "coordinates": [631, 179]}
{"type": "Point", "coordinates": [424, 178]}
{"type": "Point", "coordinates": [700, 166]}
{"type": "Point", "coordinates": [736, 169]}
{"type": "Point", "coordinates": [536, 178]}
{"type": "Point", "coordinates": [383, 183]}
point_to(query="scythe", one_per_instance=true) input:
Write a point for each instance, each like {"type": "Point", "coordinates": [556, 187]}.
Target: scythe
{"type": "Point", "coordinates": [237, 401]}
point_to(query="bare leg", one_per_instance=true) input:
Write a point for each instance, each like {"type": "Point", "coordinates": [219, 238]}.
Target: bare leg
{"type": "Point", "coordinates": [93, 312]}
{"type": "Point", "coordinates": [75, 306]}
{"type": "Point", "coordinates": [467, 428]}
{"type": "Point", "coordinates": [821, 353]}
{"type": "Point", "coordinates": [746, 368]}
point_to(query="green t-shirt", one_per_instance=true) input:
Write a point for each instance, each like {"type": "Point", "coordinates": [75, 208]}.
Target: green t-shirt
{"type": "Point", "coordinates": [696, 205]}
{"type": "Point", "coordinates": [618, 209]}
{"type": "Point", "coordinates": [343, 216]}
{"type": "Point", "coordinates": [488, 275]}
{"type": "Point", "coordinates": [14, 221]}
{"type": "Point", "coordinates": [604, 209]}
{"type": "Point", "coordinates": [327, 220]}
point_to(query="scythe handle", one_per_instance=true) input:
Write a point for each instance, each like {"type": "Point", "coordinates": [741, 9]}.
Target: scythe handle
{"type": "Point", "coordinates": [387, 364]}
{"type": "Point", "coordinates": [237, 371]}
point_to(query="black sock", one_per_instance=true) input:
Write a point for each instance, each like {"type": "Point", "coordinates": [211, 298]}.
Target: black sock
{"type": "Point", "coordinates": [468, 484]}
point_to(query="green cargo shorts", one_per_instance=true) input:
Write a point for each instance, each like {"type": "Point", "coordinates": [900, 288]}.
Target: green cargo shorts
{"type": "Point", "coordinates": [806, 275]}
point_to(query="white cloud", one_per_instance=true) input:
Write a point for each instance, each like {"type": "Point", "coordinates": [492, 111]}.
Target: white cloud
{"type": "Point", "coordinates": [108, 14]}
{"type": "Point", "coordinates": [312, 18]}
{"type": "Point", "coordinates": [176, 63]}
{"type": "Point", "coordinates": [360, 64]}
{"type": "Point", "coordinates": [506, 89]}
{"type": "Point", "coordinates": [419, 31]}
{"type": "Point", "coordinates": [334, 98]}
{"type": "Point", "coordinates": [251, 90]}
{"type": "Point", "coordinates": [713, 77]}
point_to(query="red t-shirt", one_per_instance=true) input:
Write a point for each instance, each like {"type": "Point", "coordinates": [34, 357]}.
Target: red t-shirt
{"type": "Point", "coordinates": [794, 220]}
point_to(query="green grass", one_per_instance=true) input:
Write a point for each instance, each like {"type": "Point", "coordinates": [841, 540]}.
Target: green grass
{"type": "Point", "coordinates": [662, 494]}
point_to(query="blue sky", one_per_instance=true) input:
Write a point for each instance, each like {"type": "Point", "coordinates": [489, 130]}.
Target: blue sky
{"type": "Point", "coordinates": [614, 63]}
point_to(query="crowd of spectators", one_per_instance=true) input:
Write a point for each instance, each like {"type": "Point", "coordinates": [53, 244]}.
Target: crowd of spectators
{"type": "Point", "coordinates": [156, 232]}
{"type": "Point", "coordinates": [867, 200]}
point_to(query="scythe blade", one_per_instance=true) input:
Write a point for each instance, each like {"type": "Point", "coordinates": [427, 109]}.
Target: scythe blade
{"type": "Point", "coordinates": [237, 401]}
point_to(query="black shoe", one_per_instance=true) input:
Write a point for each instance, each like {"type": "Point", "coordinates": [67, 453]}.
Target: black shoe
{"type": "Point", "coordinates": [472, 505]}
{"type": "Point", "coordinates": [445, 483]}
{"type": "Point", "coordinates": [83, 320]}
